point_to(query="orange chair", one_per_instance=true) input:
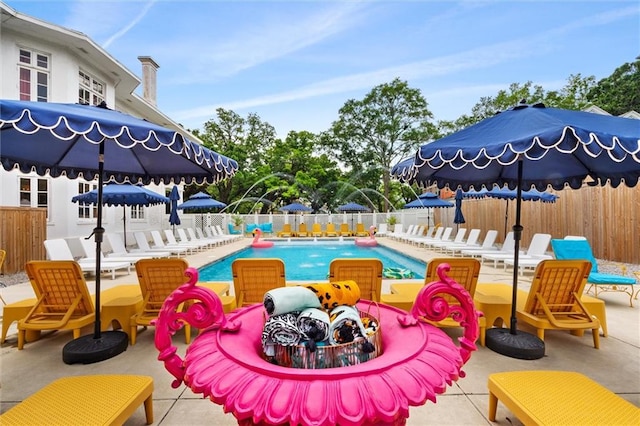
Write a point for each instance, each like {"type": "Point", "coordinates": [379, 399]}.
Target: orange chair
{"type": "Point", "coordinates": [316, 230]}
{"type": "Point", "coordinates": [252, 278]}
{"type": "Point", "coordinates": [331, 230]}
{"type": "Point", "coordinates": [367, 273]}
{"type": "Point", "coordinates": [286, 231]}
{"type": "Point", "coordinates": [157, 278]}
{"type": "Point", "coordinates": [302, 230]}
{"type": "Point", "coordinates": [344, 230]}
{"type": "Point", "coordinates": [63, 299]}
{"type": "Point", "coordinates": [554, 301]}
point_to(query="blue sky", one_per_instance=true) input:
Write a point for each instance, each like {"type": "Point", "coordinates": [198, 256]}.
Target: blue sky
{"type": "Point", "coordinates": [295, 63]}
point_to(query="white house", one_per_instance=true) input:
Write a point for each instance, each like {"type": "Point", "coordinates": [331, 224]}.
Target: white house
{"type": "Point", "coordinates": [49, 63]}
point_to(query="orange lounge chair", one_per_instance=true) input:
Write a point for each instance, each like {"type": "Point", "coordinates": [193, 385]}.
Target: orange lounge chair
{"type": "Point", "coordinates": [286, 231]}
{"type": "Point", "coordinates": [252, 278]}
{"type": "Point", "coordinates": [316, 230]}
{"type": "Point", "coordinates": [344, 230]}
{"type": "Point", "coordinates": [302, 230]}
{"type": "Point", "coordinates": [554, 301]}
{"type": "Point", "coordinates": [367, 273]}
{"type": "Point", "coordinates": [63, 300]}
{"type": "Point", "coordinates": [331, 230]}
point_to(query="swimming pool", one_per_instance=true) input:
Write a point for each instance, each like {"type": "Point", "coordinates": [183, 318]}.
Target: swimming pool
{"type": "Point", "coordinates": [309, 261]}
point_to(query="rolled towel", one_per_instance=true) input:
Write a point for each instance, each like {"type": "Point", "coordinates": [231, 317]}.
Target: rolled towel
{"type": "Point", "coordinates": [346, 325]}
{"type": "Point", "coordinates": [314, 325]}
{"type": "Point", "coordinates": [332, 295]}
{"type": "Point", "coordinates": [281, 330]}
{"type": "Point", "coordinates": [282, 300]}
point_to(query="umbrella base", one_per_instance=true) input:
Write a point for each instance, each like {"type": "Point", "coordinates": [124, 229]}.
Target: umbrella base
{"type": "Point", "coordinates": [520, 345]}
{"type": "Point", "coordinates": [89, 349]}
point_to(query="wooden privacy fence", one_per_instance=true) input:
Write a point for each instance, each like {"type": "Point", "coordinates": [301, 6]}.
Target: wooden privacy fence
{"type": "Point", "coordinates": [608, 217]}
{"type": "Point", "coordinates": [22, 234]}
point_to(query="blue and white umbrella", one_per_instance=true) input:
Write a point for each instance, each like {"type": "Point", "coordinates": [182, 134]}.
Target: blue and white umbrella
{"type": "Point", "coordinates": [96, 142]}
{"type": "Point", "coordinates": [529, 146]}
{"type": "Point", "coordinates": [122, 194]}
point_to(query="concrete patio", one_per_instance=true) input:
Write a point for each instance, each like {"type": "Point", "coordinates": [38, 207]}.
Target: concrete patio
{"type": "Point", "coordinates": [616, 365]}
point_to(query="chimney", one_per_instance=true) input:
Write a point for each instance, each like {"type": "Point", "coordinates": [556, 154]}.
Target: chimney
{"type": "Point", "coordinates": [149, 72]}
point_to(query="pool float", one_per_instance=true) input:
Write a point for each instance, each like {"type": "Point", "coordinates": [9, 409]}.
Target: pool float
{"type": "Point", "coordinates": [370, 241]}
{"type": "Point", "coordinates": [257, 242]}
{"type": "Point", "coordinates": [397, 273]}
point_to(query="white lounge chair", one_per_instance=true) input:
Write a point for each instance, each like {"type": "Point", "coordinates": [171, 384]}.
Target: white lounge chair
{"type": "Point", "coordinates": [89, 249]}
{"type": "Point", "coordinates": [172, 242]}
{"type": "Point", "coordinates": [537, 249]}
{"type": "Point", "coordinates": [470, 242]}
{"type": "Point", "coordinates": [382, 230]}
{"type": "Point", "coordinates": [220, 233]}
{"type": "Point", "coordinates": [213, 235]}
{"type": "Point", "coordinates": [143, 245]}
{"type": "Point", "coordinates": [418, 231]}
{"type": "Point", "coordinates": [159, 244]}
{"type": "Point", "coordinates": [444, 236]}
{"type": "Point", "coordinates": [459, 238]}
{"type": "Point", "coordinates": [198, 237]}
{"type": "Point", "coordinates": [487, 244]}
{"type": "Point", "coordinates": [118, 249]}
{"type": "Point", "coordinates": [434, 234]}
{"type": "Point", "coordinates": [397, 231]}
{"type": "Point", "coordinates": [507, 247]}
{"type": "Point", "coordinates": [184, 239]}
{"type": "Point", "coordinates": [58, 249]}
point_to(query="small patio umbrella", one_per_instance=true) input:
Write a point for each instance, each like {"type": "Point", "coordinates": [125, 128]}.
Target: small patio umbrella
{"type": "Point", "coordinates": [523, 147]}
{"type": "Point", "coordinates": [125, 194]}
{"type": "Point", "coordinates": [174, 197]}
{"type": "Point", "coordinates": [458, 217]}
{"type": "Point", "coordinates": [428, 200]}
{"type": "Point", "coordinates": [201, 202]}
{"type": "Point", "coordinates": [510, 194]}
{"type": "Point", "coordinates": [97, 142]}
{"type": "Point", "coordinates": [295, 208]}
{"type": "Point", "coordinates": [353, 208]}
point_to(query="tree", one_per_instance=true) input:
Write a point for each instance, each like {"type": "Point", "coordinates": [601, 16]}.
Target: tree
{"type": "Point", "coordinates": [572, 96]}
{"type": "Point", "coordinates": [376, 132]}
{"type": "Point", "coordinates": [620, 92]}
{"type": "Point", "coordinates": [244, 140]}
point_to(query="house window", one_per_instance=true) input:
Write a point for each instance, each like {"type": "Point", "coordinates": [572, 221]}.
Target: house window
{"type": "Point", "coordinates": [34, 192]}
{"type": "Point", "coordinates": [91, 90]}
{"type": "Point", "coordinates": [34, 76]}
{"type": "Point", "coordinates": [137, 212]}
{"type": "Point", "coordinates": [87, 211]}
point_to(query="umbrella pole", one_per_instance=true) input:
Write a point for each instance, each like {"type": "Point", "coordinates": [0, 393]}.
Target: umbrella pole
{"type": "Point", "coordinates": [99, 346]}
{"type": "Point", "coordinates": [124, 223]}
{"type": "Point", "coordinates": [512, 342]}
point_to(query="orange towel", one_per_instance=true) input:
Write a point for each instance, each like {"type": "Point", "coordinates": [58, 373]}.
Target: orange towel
{"type": "Point", "coordinates": [336, 293]}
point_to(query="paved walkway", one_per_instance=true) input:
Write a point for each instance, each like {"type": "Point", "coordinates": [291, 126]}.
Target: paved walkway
{"type": "Point", "coordinates": [615, 365]}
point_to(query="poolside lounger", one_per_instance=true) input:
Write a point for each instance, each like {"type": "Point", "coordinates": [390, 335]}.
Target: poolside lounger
{"type": "Point", "coordinates": [537, 249]}
{"type": "Point", "coordinates": [58, 249]}
{"type": "Point", "coordinates": [160, 245]}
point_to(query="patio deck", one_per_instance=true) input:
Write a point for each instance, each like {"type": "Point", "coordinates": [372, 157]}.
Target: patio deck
{"type": "Point", "coordinates": [615, 365]}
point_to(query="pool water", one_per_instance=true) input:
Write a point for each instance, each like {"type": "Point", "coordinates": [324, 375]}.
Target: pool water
{"type": "Point", "coordinates": [309, 261]}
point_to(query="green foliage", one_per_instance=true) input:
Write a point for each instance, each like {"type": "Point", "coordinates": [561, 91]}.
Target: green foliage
{"type": "Point", "coordinates": [620, 92]}
{"type": "Point", "coordinates": [376, 132]}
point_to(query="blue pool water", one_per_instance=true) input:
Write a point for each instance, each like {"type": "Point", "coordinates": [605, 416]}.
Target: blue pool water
{"type": "Point", "coordinates": [310, 260]}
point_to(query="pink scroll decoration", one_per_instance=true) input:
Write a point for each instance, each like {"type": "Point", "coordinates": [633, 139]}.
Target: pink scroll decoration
{"type": "Point", "coordinates": [430, 305]}
{"type": "Point", "coordinates": [204, 311]}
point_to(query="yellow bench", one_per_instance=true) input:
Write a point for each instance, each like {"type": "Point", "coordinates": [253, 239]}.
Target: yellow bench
{"type": "Point", "coordinates": [84, 400]}
{"type": "Point", "coordinates": [558, 398]}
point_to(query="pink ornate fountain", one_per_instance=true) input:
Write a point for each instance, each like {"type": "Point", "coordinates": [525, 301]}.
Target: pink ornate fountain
{"type": "Point", "coordinates": [224, 362]}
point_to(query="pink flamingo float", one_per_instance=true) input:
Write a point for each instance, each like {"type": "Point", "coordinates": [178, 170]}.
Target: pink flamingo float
{"type": "Point", "coordinates": [257, 242]}
{"type": "Point", "coordinates": [370, 241]}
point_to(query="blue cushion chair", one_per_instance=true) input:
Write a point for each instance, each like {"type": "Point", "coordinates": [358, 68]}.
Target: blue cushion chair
{"type": "Point", "coordinates": [250, 228]}
{"type": "Point", "coordinates": [267, 228]}
{"type": "Point", "coordinates": [233, 230]}
{"type": "Point", "coordinates": [569, 249]}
